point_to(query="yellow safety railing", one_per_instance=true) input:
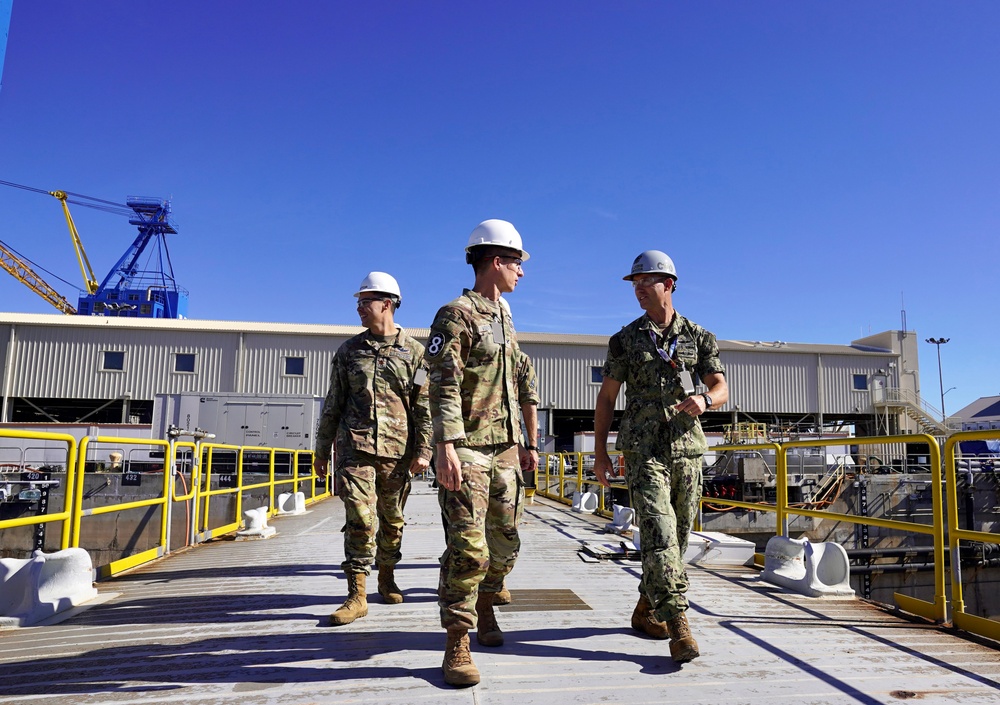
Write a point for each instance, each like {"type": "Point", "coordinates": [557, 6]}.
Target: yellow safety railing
{"type": "Point", "coordinates": [187, 471]}
{"type": "Point", "coordinates": [962, 619]}
{"type": "Point", "coordinates": [206, 492]}
{"type": "Point", "coordinates": [190, 496]}
{"type": "Point", "coordinates": [66, 515]}
{"type": "Point", "coordinates": [209, 453]}
{"type": "Point", "coordinates": [162, 501]}
{"type": "Point", "coordinates": [937, 610]}
{"type": "Point", "coordinates": [554, 487]}
{"type": "Point", "coordinates": [575, 475]}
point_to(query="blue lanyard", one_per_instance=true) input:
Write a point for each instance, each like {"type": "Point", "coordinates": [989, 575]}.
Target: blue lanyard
{"type": "Point", "coordinates": [668, 354]}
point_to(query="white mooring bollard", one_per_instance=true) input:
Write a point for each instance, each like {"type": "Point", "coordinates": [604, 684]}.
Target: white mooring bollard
{"type": "Point", "coordinates": [814, 569]}
{"type": "Point", "coordinates": [255, 525]}
{"type": "Point", "coordinates": [292, 503]}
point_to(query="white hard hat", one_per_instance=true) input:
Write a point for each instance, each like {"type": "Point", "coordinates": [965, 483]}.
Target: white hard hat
{"type": "Point", "coordinates": [381, 283]}
{"type": "Point", "coordinates": [495, 232]}
{"type": "Point", "coordinates": [652, 262]}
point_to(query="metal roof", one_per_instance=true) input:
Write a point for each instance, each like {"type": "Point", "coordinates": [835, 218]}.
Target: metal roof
{"type": "Point", "coordinates": [191, 324]}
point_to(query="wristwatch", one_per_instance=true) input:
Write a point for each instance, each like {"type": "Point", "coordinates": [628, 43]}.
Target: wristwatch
{"type": "Point", "coordinates": [708, 400]}
{"type": "Point", "coordinates": [534, 448]}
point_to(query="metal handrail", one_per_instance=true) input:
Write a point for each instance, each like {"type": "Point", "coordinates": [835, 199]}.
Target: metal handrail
{"type": "Point", "coordinates": [961, 618]}
{"type": "Point", "coordinates": [66, 515]}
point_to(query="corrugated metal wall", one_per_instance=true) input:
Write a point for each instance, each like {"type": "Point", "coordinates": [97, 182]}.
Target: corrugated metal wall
{"type": "Point", "coordinates": [66, 361]}
{"type": "Point", "coordinates": [53, 361]}
{"type": "Point", "coordinates": [838, 382]}
{"type": "Point", "coordinates": [264, 363]}
{"type": "Point", "coordinates": [771, 382]}
{"type": "Point", "coordinates": [564, 374]}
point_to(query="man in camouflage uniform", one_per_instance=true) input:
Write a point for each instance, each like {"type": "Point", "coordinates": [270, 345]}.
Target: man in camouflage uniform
{"type": "Point", "coordinates": [473, 357]}
{"type": "Point", "coordinates": [376, 411]}
{"type": "Point", "coordinates": [661, 438]}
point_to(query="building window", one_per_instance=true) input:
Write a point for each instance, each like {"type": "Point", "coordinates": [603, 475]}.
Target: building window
{"type": "Point", "coordinates": [112, 296]}
{"type": "Point", "coordinates": [145, 309]}
{"type": "Point", "coordinates": [295, 366]}
{"type": "Point", "coordinates": [114, 360]}
{"type": "Point", "coordinates": [860, 383]}
{"type": "Point", "coordinates": [184, 362]}
{"type": "Point", "coordinates": [133, 297]}
{"type": "Point", "coordinates": [596, 375]}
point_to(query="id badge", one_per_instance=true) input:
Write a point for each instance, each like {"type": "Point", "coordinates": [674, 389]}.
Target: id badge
{"type": "Point", "coordinates": [498, 334]}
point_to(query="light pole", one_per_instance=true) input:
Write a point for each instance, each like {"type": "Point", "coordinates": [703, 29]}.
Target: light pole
{"type": "Point", "coordinates": [939, 342]}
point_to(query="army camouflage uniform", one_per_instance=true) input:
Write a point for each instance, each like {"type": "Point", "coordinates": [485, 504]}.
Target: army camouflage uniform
{"type": "Point", "coordinates": [473, 357]}
{"type": "Point", "coordinates": [663, 448]}
{"type": "Point", "coordinates": [376, 411]}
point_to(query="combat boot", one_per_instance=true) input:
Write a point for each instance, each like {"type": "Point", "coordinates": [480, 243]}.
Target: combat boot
{"type": "Point", "coordinates": [356, 604]}
{"type": "Point", "coordinates": [502, 597]}
{"type": "Point", "coordinates": [683, 647]}
{"type": "Point", "coordinates": [387, 587]}
{"type": "Point", "coordinates": [643, 620]}
{"type": "Point", "coordinates": [488, 631]}
{"type": "Point", "coordinates": [459, 670]}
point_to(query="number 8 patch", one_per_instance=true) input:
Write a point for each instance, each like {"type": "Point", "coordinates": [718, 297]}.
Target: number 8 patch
{"type": "Point", "coordinates": [435, 344]}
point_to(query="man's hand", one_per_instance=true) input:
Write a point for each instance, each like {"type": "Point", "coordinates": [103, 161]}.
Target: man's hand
{"type": "Point", "coordinates": [418, 466]}
{"type": "Point", "coordinates": [603, 467]}
{"type": "Point", "coordinates": [320, 467]}
{"type": "Point", "coordinates": [694, 405]}
{"type": "Point", "coordinates": [527, 458]}
{"type": "Point", "coordinates": [449, 467]}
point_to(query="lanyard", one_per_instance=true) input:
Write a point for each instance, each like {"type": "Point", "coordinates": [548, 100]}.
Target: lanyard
{"type": "Point", "coordinates": [667, 355]}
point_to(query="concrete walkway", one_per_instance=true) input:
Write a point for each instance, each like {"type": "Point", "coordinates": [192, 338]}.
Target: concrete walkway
{"type": "Point", "coordinates": [247, 622]}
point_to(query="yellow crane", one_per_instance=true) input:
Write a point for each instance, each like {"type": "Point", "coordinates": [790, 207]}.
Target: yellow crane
{"type": "Point", "coordinates": [90, 281]}
{"type": "Point", "coordinates": [23, 272]}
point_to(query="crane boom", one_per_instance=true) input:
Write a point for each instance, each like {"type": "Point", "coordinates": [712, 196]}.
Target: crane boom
{"type": "Point", "coordinates": [23, 272]}
{"type": "Point", "coordinates": [89, 280]}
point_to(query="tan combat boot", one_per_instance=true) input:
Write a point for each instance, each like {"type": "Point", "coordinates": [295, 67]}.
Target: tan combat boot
{"type": "Point", "coordinates": [488, 631]}
{"type": "Point", "coordinates": [502, 597]}
{"type": "Point", "coordinates": [356, 604]}
{"type": "Point", "coordinates": [387, 587]}
{"type": "Point", "coordinates": [683, 647]}
{"type": "Point", "coordinates": [643, 620]}
{"type": "Point", "coordinates": [458, 667]}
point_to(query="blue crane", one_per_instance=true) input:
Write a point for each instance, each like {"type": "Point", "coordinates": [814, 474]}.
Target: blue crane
{"type": "Point", "coordinates": [137, 287]}
{"type": "Point", "coordinates": [142, 282]}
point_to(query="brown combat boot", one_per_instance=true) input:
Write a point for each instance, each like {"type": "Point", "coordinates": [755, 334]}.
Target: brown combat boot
{"type": "Point", "coordinates": [459, 670]}
{"type": "Point", "coordinates": [643, 620]}
{"type": "Point", "coordinates": [502, 597]}
{"type": "Point", "coordinates": [488, 631]}
{"type": "Point", "coordinates": [356, 604]}
{"type": "Point", "coordinates": [683, 647]}
{"type": "Point", "coordinates": [387, 587]}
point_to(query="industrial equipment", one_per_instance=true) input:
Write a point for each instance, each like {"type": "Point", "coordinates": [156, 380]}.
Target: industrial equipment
{"type": "Point", "coordinates": [142, 282]}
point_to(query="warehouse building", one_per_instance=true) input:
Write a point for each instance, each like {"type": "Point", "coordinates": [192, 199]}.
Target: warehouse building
{"type": "Point", "coordinates": [101, 371]}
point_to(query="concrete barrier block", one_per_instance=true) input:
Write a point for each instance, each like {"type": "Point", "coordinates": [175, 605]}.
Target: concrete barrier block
{"type": "Point", "coordinates": [817, 570]}
{"type": "Point", "coordinates": [36, 588]}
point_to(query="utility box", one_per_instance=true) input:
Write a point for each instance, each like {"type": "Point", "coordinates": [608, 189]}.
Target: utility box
{"type": "Point", "coordinates": [241, 419]}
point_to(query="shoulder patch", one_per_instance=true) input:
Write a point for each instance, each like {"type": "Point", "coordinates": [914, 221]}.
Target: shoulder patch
{"type": "Point", "coordinates": [435, 344]}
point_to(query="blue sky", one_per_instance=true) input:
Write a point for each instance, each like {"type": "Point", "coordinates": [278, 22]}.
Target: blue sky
{"type": "Point", "coordinates": [813, 168]}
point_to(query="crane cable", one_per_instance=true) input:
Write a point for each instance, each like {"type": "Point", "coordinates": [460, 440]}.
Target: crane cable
{"type": "Point", "coordinates": [35, 265]}
{"type": "Point", "coordinates": [89, 202]}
